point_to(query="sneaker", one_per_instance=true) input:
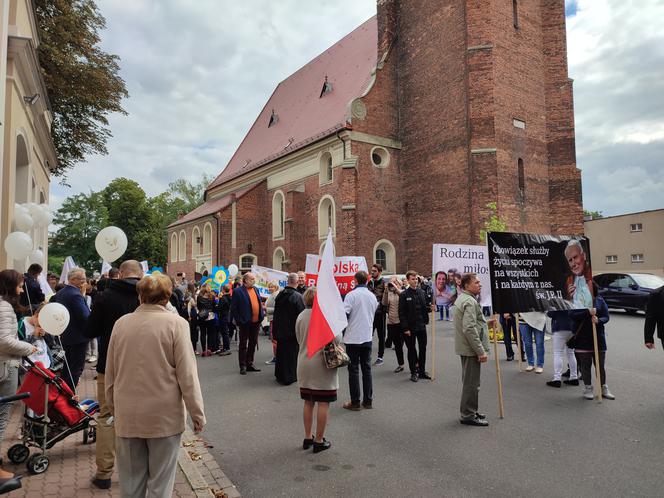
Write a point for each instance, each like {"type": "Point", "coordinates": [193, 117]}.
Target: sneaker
{"type": "Point", "coordinates": [425, 375]}
{"type": "Point", "coordinates": [530, 368]}
{"type": "Point", "coordinates": [92, 359]}
{"type": "Point", "coordinates": [271, 362]}
{"type": "Point", "coordinates": [379, 361]}
{"type": "Point", "coordinates": [566, 373]}
{"type": "Point", "coordinates": [539, 370]}
{"type": "Point", "coordinates": [554, 383]}
{"type": "Point", "coordinates": [571, 382]}
{"type": "Point", "coordinates": [398, 369]}
{"type": "Point", "coordinates": [588, 392]}
{"type": "Point", "coordinates": [225, 352]}
{"type": "Point", "coordinates": [606, 393]}
{"type": "Point", "coordinates": [414, 377]}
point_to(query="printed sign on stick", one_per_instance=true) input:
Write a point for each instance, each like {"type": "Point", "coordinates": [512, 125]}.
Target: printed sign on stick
{"type": "Point", "coordinates": [450, 261]}
{"type": "Point", "coordinates": [345, 267]}
{"type": "Point", "coordinates": [266, 275]}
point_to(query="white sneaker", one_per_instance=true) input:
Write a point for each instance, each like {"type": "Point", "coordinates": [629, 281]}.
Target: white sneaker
{"type": "Point", "coordinates": [588, 392]}
{"type": "Point", "coordinates": [530, 368]}
{"type": "Point", "coordinates": [539, 370]}
{"type": "Point", "coordinates": [92, 359]}
{"type": "Point", "coordinates": [606, 393]}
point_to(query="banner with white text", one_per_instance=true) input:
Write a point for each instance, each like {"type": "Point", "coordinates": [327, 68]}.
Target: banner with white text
{"type": "Point", "coordinates": [345, 267]}
{"type": "Point", "coordinates": [450, 261]}
{"type": "Point", "coordinates": [266, 275]}
{"type": "Point", "coordinates": [539, 272]}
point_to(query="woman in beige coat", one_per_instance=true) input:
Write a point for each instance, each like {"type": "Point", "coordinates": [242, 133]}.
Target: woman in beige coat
{"type": "Point", "coordinates": [318, 384]}
{"type": "Point", "coordinates": [151, 378]}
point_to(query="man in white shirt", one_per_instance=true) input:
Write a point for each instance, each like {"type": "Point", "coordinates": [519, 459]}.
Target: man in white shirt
{"type": "Point", "coordinates": [360, 306]}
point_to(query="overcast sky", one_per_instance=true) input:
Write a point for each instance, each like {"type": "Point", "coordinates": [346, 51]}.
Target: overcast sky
{"type": "Point", "coordinates": [199, 72]}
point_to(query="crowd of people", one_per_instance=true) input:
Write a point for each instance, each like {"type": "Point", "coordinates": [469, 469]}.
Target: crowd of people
{"type": "Point", "coordinates": [127, 313]}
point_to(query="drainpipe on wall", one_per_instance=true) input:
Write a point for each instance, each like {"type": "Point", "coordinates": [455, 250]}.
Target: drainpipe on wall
{"type": "Point", "coordinates": [216, 218]}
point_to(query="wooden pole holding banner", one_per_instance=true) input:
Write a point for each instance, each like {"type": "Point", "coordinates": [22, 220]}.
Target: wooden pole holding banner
{"type": "Point", "coordinates": [433, 342]}
{"type": "Point", "coordinates": [598, 377]}
{"type": "Point", "coordinates": [501, 405]}
{"type": "Point", "coordinates": [518, 341]}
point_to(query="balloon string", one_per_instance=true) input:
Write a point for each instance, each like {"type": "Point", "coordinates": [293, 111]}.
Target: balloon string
{"type": "Point", "coordinates": [66, 363]}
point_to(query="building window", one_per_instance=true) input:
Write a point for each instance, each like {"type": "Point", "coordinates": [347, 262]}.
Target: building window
{"type": "Point", "coordinates": [326, 217]}
{"type": "Point", "coordinates": [519, 123]}
{"type": "Point", "coordinates": [636, 227]}
{"type": "Point", "coordinates": [611, 259]}
{"type": "Point", "coordinates": [380, 157]}
{"type": "Point", "coordinates": [325, 169]}
{"type": "Point", "coordinates": [182, 251]}
{"type": "Point", "coordinates": [247, 261]}
{"type": "Point", "coordinates": [522, 179]}
{"type": "Point", "coordinates": [174, 247]}
{"type": "Point", "coordinates": [207, 239]}
{"type": "Point", "coordinates": [195, 242]}
{"type": "Point", "coordinates": [637, 258]}
{"type": "Point", "coordinates": [385, 255]}
{"type": "Point", "coordinates": [515, 13]}
{"type": "Point", "coordinates": [278, 259]}
{"type": "Point", "coordinates": [278, 215]}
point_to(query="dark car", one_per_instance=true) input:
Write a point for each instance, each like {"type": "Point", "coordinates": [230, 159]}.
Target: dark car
{"type": "Point", "coordinates": [628, 291]}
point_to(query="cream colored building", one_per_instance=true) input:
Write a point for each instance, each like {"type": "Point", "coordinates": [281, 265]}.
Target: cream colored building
{"type": "Point", "coordinates": [630, 243]}
{"type": "Point", "coordinates": [26, 149]}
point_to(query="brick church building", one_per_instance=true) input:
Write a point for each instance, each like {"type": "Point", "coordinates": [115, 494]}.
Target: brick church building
{"type": "Point", "coordinates": [397, 137]}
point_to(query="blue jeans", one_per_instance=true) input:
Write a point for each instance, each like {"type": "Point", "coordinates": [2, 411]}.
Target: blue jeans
{"type": "Point", "coordinates": [360, 358]}
{"type": "Point", "coordinates": [444, 309]}
{"type": "Point", "coordinates": [527, 333]}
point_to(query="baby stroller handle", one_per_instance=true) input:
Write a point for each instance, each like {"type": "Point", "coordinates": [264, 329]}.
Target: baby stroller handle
{"type": "Point", "coordinates": [13, 397]}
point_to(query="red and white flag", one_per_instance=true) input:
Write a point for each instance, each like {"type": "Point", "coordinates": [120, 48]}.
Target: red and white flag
{"type": "Point", "coordinates": [328, 318]}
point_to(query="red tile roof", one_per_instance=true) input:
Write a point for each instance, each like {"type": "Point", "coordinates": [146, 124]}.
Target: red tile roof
{"type": "Point", "coordinates": [302, 115]}
{"type": "Point", "coordinates": [212, 206]}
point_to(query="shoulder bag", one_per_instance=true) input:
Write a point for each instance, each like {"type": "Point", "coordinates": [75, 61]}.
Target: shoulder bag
{"type": "Point", "coordinates": [335, 356]}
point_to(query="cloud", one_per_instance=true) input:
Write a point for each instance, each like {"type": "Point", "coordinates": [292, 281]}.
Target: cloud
{"type": "Point", "coordinates": [616, 58]}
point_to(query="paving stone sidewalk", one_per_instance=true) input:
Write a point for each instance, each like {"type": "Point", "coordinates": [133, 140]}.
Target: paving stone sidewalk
{"type": "Point", "coordinates": [72, 464]}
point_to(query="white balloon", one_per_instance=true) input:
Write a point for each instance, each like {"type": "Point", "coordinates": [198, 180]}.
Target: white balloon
{"type": "Point", "coordinates": [36, 257]}
{"type": "Point", "coordinates": [46, 208]}
{"type": "Point", "coordinates": [18, 245]}
{"type": "Point", "coordinates": [33, 209]}
{"type": "Point", "coordinates": [111, 243]}
{"type": "Point", "coordinates": [233, 270]}
{"type": "Point", "coordinates": [23, 221]}
{"type": "Point", "coordinates": [20, 207]}
{"type": "Point", "coordinates": [42, 217]}
{"type": "Point", "coordinates": [54, 318]}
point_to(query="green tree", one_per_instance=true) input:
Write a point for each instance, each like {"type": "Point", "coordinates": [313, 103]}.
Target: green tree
{"type": "Point", "coordinates": [83, 81]}
{"type": "Point", "coordinates": [593, 214]}
{"type": "Point", "coordinates": [80, 219]}
{"type": "Point", "coordinates": [494, 224]}
{"type": "Point", "coordinates": [191, 193]}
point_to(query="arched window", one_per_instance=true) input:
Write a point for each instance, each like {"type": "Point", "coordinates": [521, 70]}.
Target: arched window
{"type": "Point", "coordinates": [278, 259]}
{"type": "Point", "coordinates": [207, 238]}
{"type": "Point", "coordinates": [278, 215]}
{"type": "Point", "coordinates": [174, 247]}
{"type": "Point", "coordinates": [385, 255]}
{"type": "Point", "coordinates": [22, 185]}
{"type": "Point", "coordinates": [182, 251]}
{"type": "Point", "coordinates": [246, 261]}
{"type": "Point", "coordinates": [522, 179]}
{"type": "Point", "coordinates": [325, 168]}
{"type": "Point", "coordinates": [326, 216]}
{"type": "Point", "coordinates": [195, 242]}
{"type": "Point", "coordinates": [322, 248]}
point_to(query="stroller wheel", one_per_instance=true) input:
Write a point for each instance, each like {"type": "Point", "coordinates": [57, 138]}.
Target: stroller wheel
{"type": "Point", "coordinates": [37, 464]}
{"type": "Point", "coordinates": [89, 435]}
{"type": "Point", "coordinates": [18, 453]}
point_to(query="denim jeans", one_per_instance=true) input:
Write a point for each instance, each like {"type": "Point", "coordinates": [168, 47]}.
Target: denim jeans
{"type": "Point", "coordinates": [527, 333]}
{"type": "Point", "coordinates": [360, 358]}
{"type": "Point", "coordinates": [444, 310]}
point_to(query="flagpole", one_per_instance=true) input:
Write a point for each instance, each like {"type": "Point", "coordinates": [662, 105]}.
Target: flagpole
{"type": "Point", "coordinates": [598, 378]}
{"type": "Point", "coordinates": [501, 405]}
{"type": "Point", "coordinates": [433, 343]}
{"type": "Point", "coordinates": [518, 341]}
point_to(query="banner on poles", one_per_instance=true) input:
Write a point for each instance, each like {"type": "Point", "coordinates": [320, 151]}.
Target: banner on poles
{"type": "Point", "coordinates": [345, 267]}
{"type": "Point", "coordinates": [450, 261]}
{"type": "Point", "coordinates": [266, 275]}
{"type": "Point", "coordinates": [539, 272]}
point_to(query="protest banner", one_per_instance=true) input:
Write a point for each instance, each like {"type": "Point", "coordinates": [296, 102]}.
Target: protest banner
{"type": "Point", "coordinates": [455, 260]}
{"type": "Point", "coordinates": [345, 267]}
{"type": "Point", "coordinates": [539, 272]}
{"type": "Point", "coordinates": [266, 275]}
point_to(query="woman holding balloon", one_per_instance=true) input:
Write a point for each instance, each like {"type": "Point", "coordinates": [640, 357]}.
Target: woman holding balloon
{"type": "Point", "coordinates": [11, 348]}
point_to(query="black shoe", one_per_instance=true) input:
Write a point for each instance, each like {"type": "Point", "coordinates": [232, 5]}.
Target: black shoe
{"type": "Point", "coordinates": [554, 383]}
{"type": "Point", "coordinates": [523, 359]}
{"type": "Point", "coordinates": [573, 382]}
{"type": "Point", "coordinates": [252, 368]}
{"type": "Point", "coordinates": [477, 422]}
{"type": "Point", "coordinates": [7, 485]}
{"type": "Point", "coordinates": [510, 358]}
{"type": "Point", "coordinates": [566, 374]}
{"type": "Point", "coordinates": [367, 405]}
{"type": "Point", "coordinates": [481, 416]}
{"type": "Point", "coordinates": [413, 377]}
{"type": "Point", "coordinates": [425, 375]}
{"type": "Point", "coordinates": [325, 445]}
{"type": "Point", "coordinates": [101, 483]}
{"type": "Point", "coordinates": [307, 443]}
{"type": "Point", "coordinates": [243, 371]}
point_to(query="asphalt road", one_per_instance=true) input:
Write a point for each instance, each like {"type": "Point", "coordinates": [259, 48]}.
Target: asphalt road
{"type": "Point", "coordinates": [551, 443]}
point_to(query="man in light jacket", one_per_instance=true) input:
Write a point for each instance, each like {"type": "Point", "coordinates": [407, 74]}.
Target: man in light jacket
{"type": "Point", "coordinates": [471, 343]}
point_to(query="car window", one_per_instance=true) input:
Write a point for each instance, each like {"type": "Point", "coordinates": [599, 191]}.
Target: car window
{"type": "Point", "coordinates": [623, 282]}
{"type": "Point", "coordinates": [648, 281]}
{"type": "Point", "coordinates": [609, 279]}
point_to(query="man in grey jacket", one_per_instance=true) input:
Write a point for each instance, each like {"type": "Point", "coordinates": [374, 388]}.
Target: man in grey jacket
{"type": "Point", "coordinates": [471, 343]}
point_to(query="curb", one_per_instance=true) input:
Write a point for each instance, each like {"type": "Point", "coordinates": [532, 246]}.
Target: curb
{"type": "Point", "coordinates": [201, 470]}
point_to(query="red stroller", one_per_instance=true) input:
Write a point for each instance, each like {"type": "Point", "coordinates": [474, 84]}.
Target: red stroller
{"type": "Point", "coordinates": [52, 414]}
